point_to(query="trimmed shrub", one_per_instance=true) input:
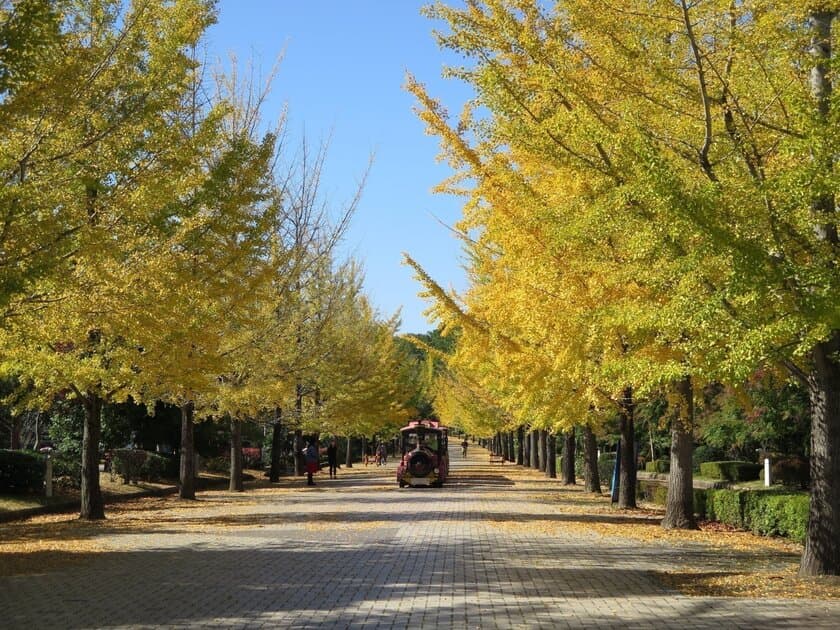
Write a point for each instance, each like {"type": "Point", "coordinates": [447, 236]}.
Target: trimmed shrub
{"type": "Point", "coordinates": [726, 506]}
{"type": "Point", "coordinates": [777, 513]}
{"type": "Point", "coordinates": [68, 468]}
{"type": "Point", "coordinates": [217, 464]}
{"type": "Point", "coordinates": [21, 471]}
{"type": "Point", "coordinates": [730, 471]}
{"type": "Point", "coordinates": [653, 492]}
{"type": "Point", "coordinates": [703, 453]}
{"type": "Point", "coordinates": [127, 463]}
{"type": "Point", "coordinates": [155, 467]}
{"type": "Point", "coordinates": [135, 464]}
{"type": "Point", "coordinates": [606, 465]}
{"type": "Point", "coordinates": [791, 471]}
{"type": "Point", "coordinates": [658, 466]}
{"type": "Point", "coordinates": [658, 493]}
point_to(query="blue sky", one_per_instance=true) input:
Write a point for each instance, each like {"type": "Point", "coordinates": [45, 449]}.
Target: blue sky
{"type": "Point", "coordinates": [341, 77]}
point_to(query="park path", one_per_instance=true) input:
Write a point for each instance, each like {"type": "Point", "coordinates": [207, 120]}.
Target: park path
{"type": "Point", "coordinates": [486, 551]}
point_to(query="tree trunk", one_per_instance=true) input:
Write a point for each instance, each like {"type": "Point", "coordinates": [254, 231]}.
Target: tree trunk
{"type": "Point", "coordinates": [14, 443]}
{"type": "Point", "coordinates": [187, 470]}
{"type": "Point", "coordinates": [822, 551]}
{"type": "Point", "coordinates": [627, 481]}
{"type": "Point", "coordinates": [348, 458]}
{"type": "Point", "coordinates": [236, 483]}
{"type": "Point", "coordinates": [535, 450]}
{"type": "Point", "coordinates": [520, 442]}
{"type": "Point", "coordinates": [591, 476]}
{"type": "Point", "coordinates": [37, 446]}
{"type": "Point", "coordinates": [541, 450]}
{"type": "Point", "coordinates": [679, 505]}
{"type": "Point", "coordinates": [276, 446]}
{"type": "Point", "coordinates": [511, 447]}
{"type": "Point", "coordinates": [569, 458]}
{"type": "Point", "coordinates": [298, 447]}
{"type": "Point", "coordinates": [93, 507]}
{"type": "Point", "coordinates": [526, 447]}
{"type": "Point", "coordinates": [551, 448]}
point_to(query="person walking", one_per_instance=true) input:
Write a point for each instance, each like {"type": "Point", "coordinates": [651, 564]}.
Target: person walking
{"type": "Point", "coordinates": [310, 457]}
{"type": "Point", "coordinates": [464, 446]}
{"type": "Point", "coordinates": [332, 458]}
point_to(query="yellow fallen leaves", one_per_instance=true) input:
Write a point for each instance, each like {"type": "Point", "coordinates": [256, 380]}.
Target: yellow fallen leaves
{"type": "Point", "coordinates": [782, 584]}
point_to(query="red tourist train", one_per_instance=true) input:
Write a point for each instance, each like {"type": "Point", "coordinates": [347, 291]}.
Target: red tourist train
{"type": "Point", "coordinates": [425, 454]}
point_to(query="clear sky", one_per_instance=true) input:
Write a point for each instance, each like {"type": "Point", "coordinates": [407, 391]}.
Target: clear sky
{"type": "Point", "coordinates": [342, 76]}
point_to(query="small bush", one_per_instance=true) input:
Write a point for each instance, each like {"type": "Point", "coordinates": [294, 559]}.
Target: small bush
{"type": "Point", "coordinates": [653, 492]}
{"type": "Point", "coordinates": [791, 471]}
{"type": "Point", "coordinates": [606, 465]}
{"type": "Point", "coordinates": [127, 463]}
{"type": "Point", "coordinates": [154, 467]}
{"type": "Point", "coordinates": [217, 464]}
{"type": "Point", "coordinates": [726, 506]}
{"type": "Point", "coordinates": [777, 513]}
{"type": "Point", "coordinates": [21, 471]}
{"type": "Point", "coordinates": [704, 453]}
{"type": "Point", "coordinates": [730, 471]}
{"type": "Point", "coordinates": [68, 468]}
{"type": "Point", "coordinates": [658, 466]}
{"type": "Point", "coordinates": [658, 493]}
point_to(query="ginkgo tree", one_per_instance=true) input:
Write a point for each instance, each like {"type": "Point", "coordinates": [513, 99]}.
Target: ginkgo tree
{"type": "Point", "coordinates": [80, 336]}
{"type": "Point", "coordinates": [699, 136]}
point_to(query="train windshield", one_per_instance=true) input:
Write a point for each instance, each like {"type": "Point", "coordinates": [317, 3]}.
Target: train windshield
{"type": "Point", "coordinates": [426, 439]}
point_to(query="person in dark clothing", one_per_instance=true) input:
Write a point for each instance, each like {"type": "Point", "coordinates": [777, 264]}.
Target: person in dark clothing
{"type": "Point", "coordinates": [332, 458]}
{"type": "Point", "coordinates": [310, 455]}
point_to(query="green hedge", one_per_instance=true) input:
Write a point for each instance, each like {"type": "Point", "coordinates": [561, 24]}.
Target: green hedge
{"type": "Point", "coordinates": [765, 512]}
{"type": "Point", "coordinates": [67, 469]}
{"type": "Point", "coordinates": [777, 513]}
{"type": "Point", "coordinates": [657, 493]}
{"type": "Point", "coordinates": [134, 464]}
{"type": "Point", "coordinates": [606, 465]}
{"type": "Point", "coordinates": [21, 471]}
{"type": "Point", "coordinates": [791, 471]}
{"type": "Point", "coordinates": [730, 471]}
{"type": "Point", "coordinates": [726, 506]}
{"type": "Point", "coordinates": [658, 466]}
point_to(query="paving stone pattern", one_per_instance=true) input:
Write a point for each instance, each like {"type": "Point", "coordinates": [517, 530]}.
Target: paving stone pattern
{"type": "Point", "coordinates": [358, 552]}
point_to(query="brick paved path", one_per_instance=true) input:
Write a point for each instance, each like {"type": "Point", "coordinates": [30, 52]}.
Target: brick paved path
{"type": "Point", "coordinates": [359, 552]}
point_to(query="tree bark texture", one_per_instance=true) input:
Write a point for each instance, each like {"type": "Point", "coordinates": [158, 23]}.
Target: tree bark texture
{"type": "Point", "coordinates": [187, 469]}
{"type": "Point", "coordinates": [511, 446]}
{"type": "Point", "coordinates": [822, 550]}
{"type": "Point", "coordinates": [541, 450]}
{"type": "Point", "coordinates": [526, 448]}
{"type": "Point", "coordinates": [276, 446]}
{"type": "Point", "coordinates": [822, 541]}
{"type": "Point", "coordinates": [93, 507]}
{"type": "Point", "coordinates": [348, 459]}
{"type": "Point", "coordinates": [17, 421]}
{"type": "Point", "coordinates": [236, 483]}
{"type": "Point", "coordinates": [551, 469]}
{"type": "Point", "coordinates": [679, 505]}
{"type": "Point", "coordinates": [520, 443]}
{"type": "Point", "coordinates": [627, 474]}
{"type": "Point", "coordinates": [298, 447]}
{"type": "Point", "coordinates": [591, 476]}
{"type": "Point", "coordinates": [535, 450]}
{"type": "Point", "coordinates": [569, 458]}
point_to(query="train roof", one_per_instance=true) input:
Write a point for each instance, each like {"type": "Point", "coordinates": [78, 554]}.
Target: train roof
{"type": "Point", "coordinates": [433, 425]}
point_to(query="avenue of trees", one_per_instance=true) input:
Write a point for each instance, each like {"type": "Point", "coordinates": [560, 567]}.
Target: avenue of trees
{"type": "Point", "coordinates": [160, 243]}
{"type": "Point", "coordinates": [650, 211]}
